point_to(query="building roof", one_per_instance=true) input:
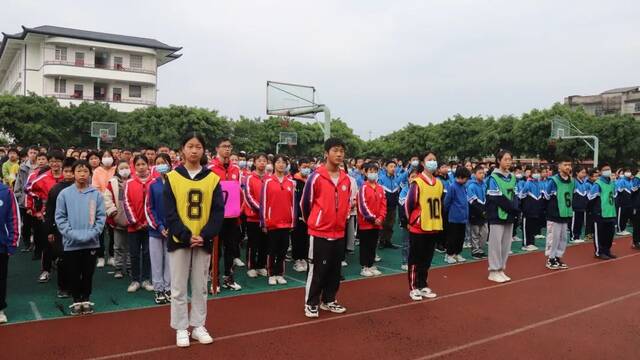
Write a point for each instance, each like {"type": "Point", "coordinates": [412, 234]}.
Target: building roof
{"type": "Point", "coordinates": [91, 35]}
{"type": "Point", "coordinates": [621, 90]}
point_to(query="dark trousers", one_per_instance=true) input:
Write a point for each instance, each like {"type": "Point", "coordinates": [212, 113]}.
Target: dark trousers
{"type": "Point", "coordinates": [257, 246]}
{"type": "Point", "coordinates": [80, 266]}
{"type": "Point", "coordinates": [387, 226]}
{"type": "Point", "coordinates": [577, 222]}
{"type": "Point", "coordinates": [278, 245]}
{"type": "Point", "coordinates": [441, 237]}
{"type": "Point", "coordinates": [4, 270]}
{"type": "Point", "coordinates": [111, 241]}
{"type": "Point", "coordinates": [589, 225]}
{"type": "Point", "coordinates": [635, 222]}
{"type": "Point", "coordinates": [530, 228]}
{"type": "Point", "coordinates": [27, 226]}
{"type": "Point", "coordinates": [368, 242]}
{"type": "Point", "coordinates": [421, 247]}
{"type": "Point", "coordinates": [455, 238]}
{"type": "Point", "coordinates": [300, 241]}
{"type": "Point", "coordinates": [40, 243]}
{"type": "Point", "coordinates": [624, 215]}
{"type": "Point", "coordinates": [604, 232]}
{"type": "Point", "coordinates": [139, 254]}
{"type": "Point", "coordinates": [61, 268]}
{"type": "Point", "coordinates": [229, 237]}
{"type": "Point", "coordinates": [323, 277]}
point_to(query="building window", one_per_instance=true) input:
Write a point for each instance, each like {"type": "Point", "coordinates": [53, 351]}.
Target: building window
{"type": "Point", "coordinates": [60, 86]}
{"type": "Point", "coordinates": [135, 61]}
{"type": "Point", "coordinates": [117, 94]}
{"type": "Point", "coordinates": [61, 53]}
{"type": "Point", "coordinates": [79, 59]}
{"type": "Point", "coordinates": [78, 91]}
{"type": "Point", "coordinates": [117, 63]}
{"type": "Point", "coordinates": [135, 91]}
{"type": "Point", "coordinates": [637, 107]}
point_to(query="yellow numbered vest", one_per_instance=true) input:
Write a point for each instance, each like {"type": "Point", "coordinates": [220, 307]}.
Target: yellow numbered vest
{"type": "Point", "coordinates": [193, 199]}
{"type": "Point", "coordinates": [430, 200]}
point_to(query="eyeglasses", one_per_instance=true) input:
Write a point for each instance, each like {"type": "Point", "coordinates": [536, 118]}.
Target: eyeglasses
{"type": "Point", "coordinates": [226, 146]}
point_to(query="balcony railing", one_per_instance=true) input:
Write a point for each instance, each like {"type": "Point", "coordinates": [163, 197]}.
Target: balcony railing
{"type": "Point", "coordinates": [105, 99]}
{"type": "Point", "coordinates": [115, 67]}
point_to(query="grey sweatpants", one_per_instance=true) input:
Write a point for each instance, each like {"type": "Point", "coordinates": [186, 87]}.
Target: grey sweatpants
{"type": "Point", "coordinates": [351, 233]}
{"type": "Point", "coordinates": [500, 236]}
{"type": "Point", "coordinates": [189, 263]}
{"type": "Point", "coordinates": [121, 250]}
{"type": "Point", "coordinates": [478, 237]}
{"type": "Point", "coordinates": [160, 273]}
{"type": "Point", "coordinates": [557, 236]}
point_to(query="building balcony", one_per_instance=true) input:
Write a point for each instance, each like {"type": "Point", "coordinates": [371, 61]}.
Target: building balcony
{"type": "Point", "coordinates": [114, 100]}
{"type": "Point", "coordinates": [80, 69]}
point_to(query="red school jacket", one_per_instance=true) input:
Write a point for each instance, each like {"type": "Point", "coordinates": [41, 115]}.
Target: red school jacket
{"type": "Point", "coordinates": [41, 181]}
{"type": "Point", "coordinates": [325, 206]}
{"type": "Point", "coordinates": [372, 206]}
{"type": "Point", "coordinates": [277, 203]}
{"type": "Point", "coordinates": [251, 192]}
{"type": "Point", "coordinates": [135, 194]}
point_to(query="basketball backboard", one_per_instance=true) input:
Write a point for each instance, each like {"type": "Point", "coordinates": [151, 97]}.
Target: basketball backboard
{"type": "Point", "coordinates": [285, 99]}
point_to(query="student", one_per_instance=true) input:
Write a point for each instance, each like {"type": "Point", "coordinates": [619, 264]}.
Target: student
{"type": "Point", "coordinates": [477, 197]}
{"type": "Point", "coordinates": [390, 182]}
{"type": "Point", "coordinates": [32, 205]}
{"type": "Point", "coordinates": [10, 168]}
{"type": "Point", "coordinates": [257, 242]}
{"type": "Point", "coordinates": [350, 229]}
{"type": "Point", "coordinates": [502, 212]}
{"type": "Point", "coordinates": [154, 211]}
{"type": "Point", "coordinates": [53, 235]}
{"type": "Point", "coordinates": [444, 177]}
{"type": "Point", "coordinates": [558, 195]}
{"type": "Point", "coordinates": [532, 203]}
{"type": "Point", "coordinates": [117, 219]}
{"type": "Point", "coordinates": [80, 218]}
{"type": "Point", "coordinates": [325, 207]}
{"type": "Point", "coordinates": [580, 201]}
{"type": "Point", "coordinates": [372, 210]}
{"type": "Point", "coordinates": [9, 237]}
{"type": "Point", "coordinates": [135, 191]}
{"type": "Point", "coordinates": [624, 203]}
{"type": "Point", "coordinates": [592, 176]}
{"type": "Point", "coordinates": [194, 210]}
{"type": "Point", "coordinates": [426, 221]}
{"type": "Point", "coordinates": [603, 209]}
{"type": "Point", "coordinates": [300, 236]}
{"type": "Point", "coordinates": [404, 221]}
{"type": "Point", "coordinates": [520, 181]}
{"type": "Point", "coordinates": [635, 219]}
{"type": "Point", "coordinates": [277, 215]}
{"type": "Point", "coordinates": [457, 208]}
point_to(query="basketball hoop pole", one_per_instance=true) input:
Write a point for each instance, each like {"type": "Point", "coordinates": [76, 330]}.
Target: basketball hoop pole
{"type": "Point", "coordinates": [326, 127]}
{"type": "Point", "coordinates": [595, 147]}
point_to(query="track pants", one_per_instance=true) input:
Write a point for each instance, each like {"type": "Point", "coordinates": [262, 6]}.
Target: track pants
{"type": "Point", "coordinates": [635, 221]}
{"type": "Point", "coordinates": [350, 233]}
{"type": "Point", "coordinates": [368, 241]}
{"type": "Point", "coordinates": [323, 276]}
{"type": "Point", "coordinates": [139, 252]}
{"type": "Point", "coordinates": [530, 228]}
{"type": "Point", "coordinates": [160, 269]}
{"type": "Point", "coordinates": [4, 270]}
{"type": "Point", "coordinates": [121, 250]}
{"type": "Point", "coordinates": [80, 267]}
{"type": "Point", "coordinates": [61, 268]}
{"type": "Point", "coordinates": [189, 264]}
{"type": "Point", "coordinates": [578, 220]}
{"type": "Point", "coordinates": [421, 247]}
{"type": "Point", "coordinates": [479, 233]}
{"type": "Point", "coordinates": [27, 227]}
{"type": "Point", "coordinates": [300, 241]}
{"type": "Point", "coordinates": [227, 246]}
{"type": "Point", "coordinates": [556, 239]}
{"type": "Point", "coordinates": [387, 226]}
{"type": "Point", "coordinates": [455, 238]}
{"type": "Point", "coordinates": [42, 248]}
{"type": "Point", "coordinates": [604, 232]}
{"type": "Point", "coordinates": [624, 215]}
{"type": "Point", "coordinates": [257, 247]}
{"type": "Point", "coordinates": [278, 243]}
{"type": "Point", "coordinates": [499, 246]}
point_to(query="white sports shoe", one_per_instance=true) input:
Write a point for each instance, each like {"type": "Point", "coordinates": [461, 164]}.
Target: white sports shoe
{"type": "Point", "coordinates": [578, 241]}
{"type": "Point", "coordinates": [495, 277]}
{"type": "Point", "coordinates": [375, 271]}
{"type": "Point", "coordinates": [100, 263]}
{"type": "Point", "coordinates": [3, 317]}
{"type": "Point", "coordinates": [623, 233]}
{"type": "Point", "coordinates": [133, 287]}
{"type": "Point", "coordinates": [539, 236]}
{"type": "Point", "coordinates": [404, 267]}
{"type": "Point", "coordinates": [450, 259]}
{"type": "Point", "coordinates": [237, 262]}
{"type": "Point", "coordinates": [344, 263]}
{"type": "Point", "coordinates": [252, 273]}
{"type": "Point", "coordinates": [298, 266]}
{"type": "Point", "coordinates": [182, 338]}
{"type": "Point", "coordinates": [272, 280]}
{"type": "Point", "coordinates": [459, 258]}
{"type": "Point", "coordinates": [377, 258]}
{"type": "Point", "coordinates": [415, 295]}
{"type": "Point", "coordinates": [262, 272]}
{"type": "Point", "coordinates": [504, 276]}
{"type": "Point", "coordinates": [366, 272]}
{"type": "Point", "coordinates": [427, 293]}
{"type": "Point", "coordinates": [281, 280]}
{"type": "Point", "coordinates": [147, 285]}
{"type": "Point", "coordinates": [201, 335]}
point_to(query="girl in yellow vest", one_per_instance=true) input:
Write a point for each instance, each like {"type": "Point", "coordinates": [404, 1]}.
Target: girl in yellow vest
{"type": "Point", "coordinates": [194, 209]}
{"type": "Point", "coordinates": [423, 208]}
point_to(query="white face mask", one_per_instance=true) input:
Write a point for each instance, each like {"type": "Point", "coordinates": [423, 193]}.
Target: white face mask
{"type": "Point", "coordinates": [269, 168]}
{"type": "Point", "coordinates": [627, 174]}
{"type": "Point", "coordinates": [124, 173]}
{"type": "Point", "coordinates": [107, 161]}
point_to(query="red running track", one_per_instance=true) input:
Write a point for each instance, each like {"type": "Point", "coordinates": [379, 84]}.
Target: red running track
{"type": "Point", "coordinates": [587, 312]}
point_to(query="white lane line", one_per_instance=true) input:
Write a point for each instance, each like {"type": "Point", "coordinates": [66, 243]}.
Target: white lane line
{"type": "Point", "coordinates": [367, 312]}
{"type": "Point", "coordinates": [294, 279]}
{"type": "Point", "coordinates": [34, 309]}
{"type": "Point", "coordinates": [528, 327]}
{"type": "Point", "coordinates": [394, 271]}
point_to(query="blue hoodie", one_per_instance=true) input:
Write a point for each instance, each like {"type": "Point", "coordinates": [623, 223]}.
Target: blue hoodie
{"type": "Point", "coordinates": [154, 208]}
{"type": "Point", "coordinates": [9, 221]}
{"type": "Point", "coordinates": [80, 217]}
{"type": "Point", "coordinates": [456, 205]}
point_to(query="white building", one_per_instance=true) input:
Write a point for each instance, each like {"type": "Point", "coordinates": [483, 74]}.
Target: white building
{"type": "Point", "coordinates": [77, 65]}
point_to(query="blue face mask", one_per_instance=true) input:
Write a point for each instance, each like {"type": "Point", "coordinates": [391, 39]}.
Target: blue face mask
{"type": "Point", "coordinates": [242, 164]}
{"type": "Point", "coordinates": [372, 176]}
{"type": "Point", "coordinates": [305, 171]}
{"type": "Point", "coordinates": [431, 165]}
{"type": "Point", "coordinates": [163, 168]}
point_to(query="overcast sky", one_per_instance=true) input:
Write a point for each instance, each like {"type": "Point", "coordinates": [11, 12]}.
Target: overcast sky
{"type": "Point", "coordinates": [377, 64]}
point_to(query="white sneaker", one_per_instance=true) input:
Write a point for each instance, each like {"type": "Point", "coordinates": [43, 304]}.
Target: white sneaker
{"type": "Point", "coordinates": [539, 236]}
{"type": "Point", "coordinates": [415, 295]}
{"type": "Point", "coordinates": [311, 311]}
{"type": "Point", "coordinates": [427, 293]}
{"type": "Point", "coordinates": [201, 335]}
{"type": "Point", "coordinates": [44, 277]}
{"type": "Point", "coordinates": [272, 280]}
{"type": "Point", "coordinates": [404, 267]}
{"type": "Point", "coordinates": [623, 233]}
{"type": "Point", "coordinates": [281, 280]}
{"type": "Point", "coordinates": [450, 259]}
{"type": "Point", "coordinates": [366, 272]}
{"type": "Point", "coordinates": [504, 276]}
{"type": "Point", "coordinates": [252, 273]}
{"type": "Point", "coordinates": [237, 262]}
{"type": "Point", "coordinates": [466, 245]}
{"type": "Point", "coordinates": [578, 241]}
{"type": "Point", "coordinates": [147, 285]}
{"type": "Point", "coordinates": [459, 258]}
{"type": "Point", "coordinates": [530, 248]}
{"type": "Point", "coordinates": [375, 271]}
{"type": "Point", "coordinates": [298, 266]}
{"type": "Point", "coordinates": [343, 263]}
{"type": "Point", "coordinates": [516, 239]}
{"type": "Point", "coordinates": [3, 317]}
{"type": "Point", "coordinates": [182, 338]}
{"type": "Point", "coordinates": [112, 262]}
{"type": "Point", "coordinates": [495, 277]}
{"type": "Point", "coordinates": [262, 272]}
{"type": "Point", "coordinates": [133, 287]}
{"type": "Point", "coordinates": [305, 265]}
{"type": "Point", "coordinates": [377, 258]}
{"type": "Point", "coordinates": [100, 263]}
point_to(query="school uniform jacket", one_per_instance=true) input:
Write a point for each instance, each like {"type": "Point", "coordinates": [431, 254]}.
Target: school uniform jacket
{"type": "Point", "coordinates": [135, 194]}
{"type": "Point", "coordinates": [477, 198]}
{"type": "Point", "coordinates": [38, 189]}
{"type": "Point", "coordinates": [532, 201]}
{"type": "Point", "coordinates": [9, 221]}
{"type": "Point", "coordinates": [154, 208]}
{"type": "Point", "coordinates": [580, 193]}
{"type": "Point", "coordinates": [624, 192]}
{"type": "Point", "coordinates": [251, 195]}
{"type": "Point", "coordinates": [277, 203]}
{"type": "Point", "coordinates": [372, 206]}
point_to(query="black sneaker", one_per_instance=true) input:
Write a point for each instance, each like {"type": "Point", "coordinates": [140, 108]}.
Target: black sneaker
{"type": "Point", "coordinates": [611, 256]}
{"type": "Point", "coordinates": [167, 295]}
{"type": "Point", "coordinates": [440, 249]}
{"type": "Point", "coordinates": [159, 297]}
{"type": "Point", "coordinates": [561, 264]}
{"type": "Point", "coordinates": [87, 308]}
{"type": "Point", "coordinates": [230, 284]}
{"type": "Point", "coordinates": [603, 257]}
{"type": "Point", "coordinates": [477, 256]}
{"type": "Point", "coordinates": [62, 294]}
{"type": "Point", "coordinates": [75, 309]}
{"type": "Point", "coordinates": [552, 264]}
{"type": "Point", "coordinates": [635, 246]}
